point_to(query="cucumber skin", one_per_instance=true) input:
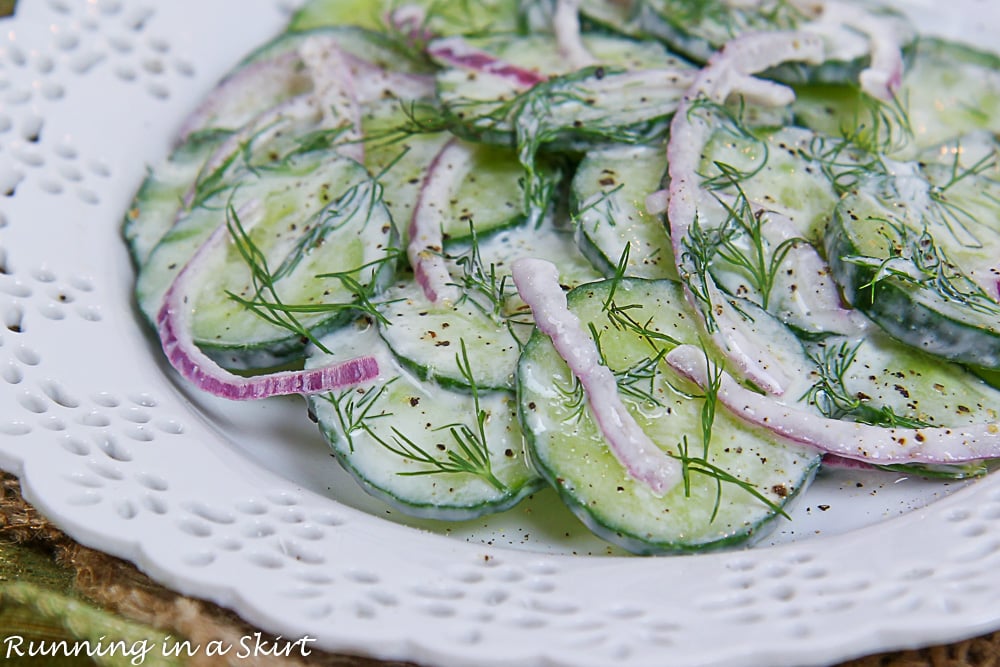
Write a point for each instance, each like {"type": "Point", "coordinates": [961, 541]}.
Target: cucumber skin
{"type": "Point", "coordinates": [145, 222]}
{"type": "Point", "coordinates": [652, 24]}
{"type": "Point", "coordinates": [435, 403]}
{"type": "Point", "coordinates": [740, 535]}
{"type": "Point", "coordinates": [889, 305]}
{"type": "Point", "coordinates": [615, 534]}
{"type": "Point", "coordinates": [427, 510]}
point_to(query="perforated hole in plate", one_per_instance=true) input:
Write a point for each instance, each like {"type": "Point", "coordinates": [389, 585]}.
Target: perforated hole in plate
{"type": "Point", "coordinates": [13, 318]}
{"type": "Point", "coordinates": [15, 428]}
{"type": "Point", "coordinates": [266, 561]}
{"type": "Point", "coordinates": [126, 509]}
{"type": "Point", "coordinates": [299, 552]}
{"type": "Point", "coordinates": [59, 395]}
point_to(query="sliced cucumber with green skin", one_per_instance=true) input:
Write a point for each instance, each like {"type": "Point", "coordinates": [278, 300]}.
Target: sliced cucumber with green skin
{"type": "Point", "coordinates": [275, 72]}
{"type": "Point", "coordinates": [488, 194]}
{"type": "Point", "coordinates": [425, 336]}
{"type": "Point", "coordinates": [398, 157]}
{"type": "Point", "coordinates": [442, 18]}
{"type": "Point", "coordinates": [608, 204]}
{"type": "Point", "coordinates": [629, 97]}
{"type": "Point", "coordinates": [159, 199]}
{"type": "Point", "coordinates": [878, 380]}
{"type": "Point", "coordinates": [388, 431]}
{"type": "Point", "coordinates": [948, 90]}
{"type": "Point", "coordinates": [322, 215]}
{"type": "Point", "coordinates": [490, 318]}
{"type": "Point", "coordinates": [696, 30]}
{"type": "Point", "coordinates": [916, 251]}
{"type": "Point", "coordinates": [776, 169]}
{"type": "Point", "coordinates": [770, 198]}
{"type": "Point", "coordinates": [567, 448]}
{"type": "Point", "coordinates": [266, 79]}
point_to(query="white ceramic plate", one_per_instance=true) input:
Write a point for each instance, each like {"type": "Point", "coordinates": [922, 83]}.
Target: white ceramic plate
{"type": "Point", "coordinates": [242, 504]}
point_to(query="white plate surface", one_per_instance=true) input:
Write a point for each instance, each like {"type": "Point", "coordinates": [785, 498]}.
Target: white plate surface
{"type": "Point", "coordinates": [242, 504]}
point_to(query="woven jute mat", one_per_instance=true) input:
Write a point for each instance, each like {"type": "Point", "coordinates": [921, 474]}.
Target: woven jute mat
{"type": "Point", "coordinates": [52, 589]}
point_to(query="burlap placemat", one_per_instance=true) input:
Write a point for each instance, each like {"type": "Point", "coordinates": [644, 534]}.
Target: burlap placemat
{"type": "Point", "coordinates": [53, 588]}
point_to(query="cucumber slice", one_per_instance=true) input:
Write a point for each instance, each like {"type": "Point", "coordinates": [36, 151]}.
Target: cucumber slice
{"type": "Point", "coordinates": [398, 157]}
{"type": "Point", "coordinates": [425, 450]}
{"type": "Point", "coordinates": [878, 380]}
{"type": "Point", "coordinates": [275, 71]}
{"type": "Point", "coordinates": [769, 194]}
{"type": "Point", "coordinates": [948, 90]}
{"type": "Point", "coordinates": [696, 30]}
{"type": "Point", "coordinates": [488, 194]}
{"type": "Point", "coordinates": [916, 251]}
{"type": "Point", "coordinates": [264, 80]}
{"type": "Point", "coordinates": [630, 98]}
{"type": "Point", "coordinates": [566, 446]}
{"type": "Point", "coordinates": [442, 18]}
{"type": "Point", "coordinates": [491, 319]}
{"type": "Point", "coordinates": [322, 215]}
{"type": "Point", "coordinates": [609, 205]}
{"type": "Point", "coordinates": [159, 199]}
{"type": "Point", "coordinates": [424, 337]}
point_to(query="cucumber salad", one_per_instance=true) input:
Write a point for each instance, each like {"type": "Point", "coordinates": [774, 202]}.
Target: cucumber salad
{"type": "Point", "coordinates": [668, 257]}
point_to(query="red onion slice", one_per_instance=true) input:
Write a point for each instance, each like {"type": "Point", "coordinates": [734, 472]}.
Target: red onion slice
{"type": "Point", "coordinates": [729, 72]}
{"type": "Point", "coordinates": [456, 52]}
{"type": "Point", "coordinates": [425, 248]}
{"type": "Point", "coordinates": [819, 297]}
{"type": "Point", "coordinates": [537, 283]}
{"type": "Point", "coordinates": [850, 440]}
{"type": "Point", "coordinates": [174, 329]}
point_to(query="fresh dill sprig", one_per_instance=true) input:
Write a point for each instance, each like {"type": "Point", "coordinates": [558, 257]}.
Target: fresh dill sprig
{"type": "Point", "coordinates": [638, 381]}
{"type": "Point", "coordinates": [832, 398]}
{"type": "Point", "coordinates": [880, 127]}
{"type": "Point", "coordinates": [360, 199]}
{"type": "Point", "coordinates": [947, 211]}
{"type": "Point", "coordinates": [913, 257]}
{"type": "Point", "coordinates": [699, 247]}
{"type": "Point", "coordinates": [620, 269]}
{"type": "Point", "coordinates": [604, 200]}
{"type": "Point", "coordinates": [699, 465]}
{"type": "Point", "coordinates": [420, 117]}
{"type": "Point", "coordinates": [471, 452]}
{"type": "Point", "coordinates": [479, 279]}
{"type": "Point", "coordinates": [261, 151]}
{"type": "Point", "coordinates": [353, 408]}
{"type": "Point", "coordinates": [487, 290]}
{"type": "Point", "coordinates": [265, 300]}
{"type": "Point", "coordinates": [710, 404]}
{"type": "Point", "coordinates": [725, 120]}
{"type": "Point", "coordinates": [762, 262]}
